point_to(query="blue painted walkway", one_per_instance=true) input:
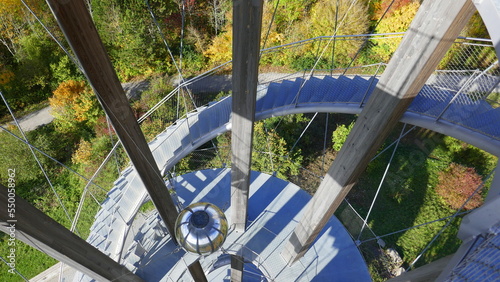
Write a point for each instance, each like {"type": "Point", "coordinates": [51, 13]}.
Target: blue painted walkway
{"type": "Point", "coordinates": [274, 208]}
{"type": "Point", "coordinates": [473, 121]}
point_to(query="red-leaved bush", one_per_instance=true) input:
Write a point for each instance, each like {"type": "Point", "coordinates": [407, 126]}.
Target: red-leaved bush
{"type": "Point", "coordinates": [381, 6]}
{"type": "Point", "coordinates": [457, 183]}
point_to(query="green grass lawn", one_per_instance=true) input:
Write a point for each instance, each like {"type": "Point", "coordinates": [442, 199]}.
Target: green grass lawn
{"type": "Point", "coordinates": [407, 197]}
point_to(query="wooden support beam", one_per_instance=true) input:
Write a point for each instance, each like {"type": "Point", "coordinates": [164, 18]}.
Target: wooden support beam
{"type": "Point", "coordinates": [237, 265]}
{"type": "Point", "coordinates": [197, 272]}
{"type": "Point", "coordinates": [81, 33]}
{"type": "Point", "coordinates": [247, 22]}
{"type": "Point", "coordinates": [22, 221]}
{"type": "Point", "coordinates": [77, 25]}
{"type": "Point", "coordinates": [435, 27]}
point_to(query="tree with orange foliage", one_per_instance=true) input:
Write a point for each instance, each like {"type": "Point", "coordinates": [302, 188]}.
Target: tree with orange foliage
{"type": "Point", "coordinates": [74, 107]}
{"type": "Point", "coordinates": [388, 5]}
{"type": "Point", "coordinates": [457, 184]}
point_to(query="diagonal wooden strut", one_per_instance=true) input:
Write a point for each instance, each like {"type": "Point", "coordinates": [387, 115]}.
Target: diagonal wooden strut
{"type": "Point", "coordinates": [435, 27]}
{"type": "Point", "coordinates": [22, 221]}
{"type": "Point", "coordinates": [81, 33]}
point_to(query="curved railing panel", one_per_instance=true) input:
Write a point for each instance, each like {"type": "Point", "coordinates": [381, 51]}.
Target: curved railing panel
{"type": "Point", "coordinates": [471, 121]}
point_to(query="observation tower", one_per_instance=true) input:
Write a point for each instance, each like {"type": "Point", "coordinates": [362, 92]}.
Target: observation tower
{"type": "Point", "coordinates": [235, 224]}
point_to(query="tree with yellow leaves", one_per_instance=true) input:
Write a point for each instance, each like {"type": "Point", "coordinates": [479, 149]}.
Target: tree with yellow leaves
{"type": "Point", "coordinates": [74, 107]}
{"type": "Point", "coordinates": [397, 21]}
{"type": "Point", "coordinates": [14, 22]}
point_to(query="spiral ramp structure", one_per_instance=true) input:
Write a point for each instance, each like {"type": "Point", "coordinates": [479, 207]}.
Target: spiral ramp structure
{"type": "Point", "coordinates": [144, 246]}
{"type": "Point", "coordinates": [447, 111]}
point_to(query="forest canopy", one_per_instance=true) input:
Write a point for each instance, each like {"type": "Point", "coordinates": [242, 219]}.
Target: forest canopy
{"type": "Point", "coordinates": [32, 64]}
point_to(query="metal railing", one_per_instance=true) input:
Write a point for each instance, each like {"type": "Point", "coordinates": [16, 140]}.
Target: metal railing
{"type": "Point", "coordinates": [469, 72]}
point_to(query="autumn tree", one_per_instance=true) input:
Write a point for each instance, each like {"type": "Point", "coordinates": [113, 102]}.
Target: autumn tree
{"type": "Point", "coordinates": [75, 108]}
{"type": "Point", "coordinates": [458, 184]}
{"type": "Point", "coordinates": [387, 7]}
{"type": "Point", "coordinates": [219, 9]}
{"type": "Point", "coordinates": [326, 18]}
{"type": "Point", "coordinates": [11, 23]}
{"type": "Point", "coordinates": [398, 20]}
{"type": "Point", "coordinates": [16, 21]}
{"type": "Point", "coordinates": [220, 51]}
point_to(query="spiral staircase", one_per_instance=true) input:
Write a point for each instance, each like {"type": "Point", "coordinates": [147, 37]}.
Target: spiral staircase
{"type": "Point", "coordinates": [449, 111]}
{"type": "Point", "coordinates": [455, 106]}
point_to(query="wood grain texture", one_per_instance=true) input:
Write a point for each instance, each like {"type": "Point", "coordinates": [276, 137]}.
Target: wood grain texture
{"type": "Point", "coordinates": [247, 22]}
{"type": "Point", "coordinates": [80, 31]}
{"type": "Point", "coordinates": [435, 27]}
{"type": "Point", "coordinates": [83, 38]}
{"type": "Point", "coordinates": [40, 231]}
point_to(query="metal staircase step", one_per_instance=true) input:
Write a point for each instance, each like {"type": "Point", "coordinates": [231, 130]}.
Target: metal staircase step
{"type": "Point", "coordinates": [195, 128]}
{"type": "Point", "coordinates": [309, 89]}
{"type": "Point", "coordinates": [341, 92]}
{"type": "Point", "coordinates": [224, 111]}
{"type": "Point", "coordinates": [329, 83]}
{"type": "Point", "coordinates": [294, 92]}
{"type": "Point", "coordinates": [422, 103]}
{"type": "Point", "coordinates": [284, 91]}
{"type": "Point", "coordinates": [487, 121]}
{"type": "Point", "coordinates": [267, 101]}
{"type": "Point", "coordinates": [360, 87]}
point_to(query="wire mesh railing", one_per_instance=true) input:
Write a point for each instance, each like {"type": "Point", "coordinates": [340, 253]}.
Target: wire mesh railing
{"type": "Point", "coordinates": [468, 68]}
{"type": "Point", "coordinates": [470, 81]}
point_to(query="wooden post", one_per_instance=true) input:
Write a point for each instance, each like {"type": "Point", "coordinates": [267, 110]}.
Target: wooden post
{"type": "Point", "coordinates": [247, 22]}
{"type": "Point", "coordinates": [237, 265]}
{"type": "Point", "coordinates": [197, 272]}
{"type": "Point", "coordinates": [75, 21]}
{"type": "Point", "coordinates": [81, 33]}
{"type": "Point", "coordinates": [435, 27]}
{"type": "Point", "coordinates": [20, 220]}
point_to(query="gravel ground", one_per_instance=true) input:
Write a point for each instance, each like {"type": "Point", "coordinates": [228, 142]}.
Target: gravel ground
{"type": "Point", "coordinates": [35, 119]}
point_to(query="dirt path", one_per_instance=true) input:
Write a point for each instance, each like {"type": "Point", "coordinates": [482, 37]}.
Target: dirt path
{"type": "Point", "coordinates": [35, 119]}
{"type": "Point", "coordinates": [134, 89]}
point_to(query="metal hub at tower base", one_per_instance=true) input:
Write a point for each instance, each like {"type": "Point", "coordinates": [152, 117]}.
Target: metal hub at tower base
{"type": "Point", "coordinates": [201, 228]}
{"type": "Point", "coordinates": [275, 205]}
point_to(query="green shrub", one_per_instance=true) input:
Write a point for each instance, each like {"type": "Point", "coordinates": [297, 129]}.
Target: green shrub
{"type": "Point", "coordinates": [340, 135]}
{"type": "Point", "coordinates": [270, 153]}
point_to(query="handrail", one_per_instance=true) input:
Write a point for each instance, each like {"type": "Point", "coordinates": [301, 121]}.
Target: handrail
{"type": "Point", "coordinates": [379, 36]}
{"type": "Point", "coordinates": [319, 38]}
